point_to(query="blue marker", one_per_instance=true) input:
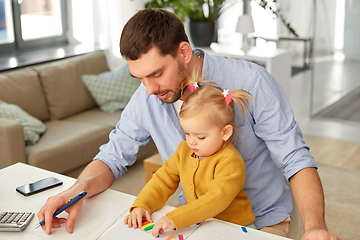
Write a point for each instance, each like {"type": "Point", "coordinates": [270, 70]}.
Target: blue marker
{"type": "Point", "coordinates": [69, 204]}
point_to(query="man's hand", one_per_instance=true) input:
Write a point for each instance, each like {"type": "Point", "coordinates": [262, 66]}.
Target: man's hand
{"type": "Point", "coordinates": [95, 178]}
{"type": "Point", "coordinates": [54, 203]}
{"type": "Point", "coordinates": [162, 225]}
{"type": "Point", "coordinates": [318, 234]}
{"type": "Point", "coordinates": [134, 219]}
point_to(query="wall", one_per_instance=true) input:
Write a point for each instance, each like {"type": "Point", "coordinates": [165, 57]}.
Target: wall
{"type": "Point", "coordinates": [352, 30]}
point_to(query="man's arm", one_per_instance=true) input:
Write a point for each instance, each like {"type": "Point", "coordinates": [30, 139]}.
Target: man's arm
{"type": "Point", "coordinates": [95, 178]}
{"type": "Point", "coordinates": [309, 196]}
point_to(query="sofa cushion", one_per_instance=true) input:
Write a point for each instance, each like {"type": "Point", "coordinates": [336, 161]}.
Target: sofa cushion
{"type": "Point", "coordinates": [112, 90]}
{"type": "Point", "coordinates": [64, 91]}
{"type": "Point", "coordinates": [96, 116]}
{"type": "Point", "coordinates": [23, 88]}
{"type": "Point", "coordinates": [67, 145]}
{"type": "Point", "coordinates": [32, 127]}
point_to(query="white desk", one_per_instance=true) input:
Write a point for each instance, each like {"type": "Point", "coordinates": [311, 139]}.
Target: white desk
{"type": "Point", "coordinates": [19, 174]}
{"type": "Point", "coordinates": [307, 41]}
{"type": "Point", "coordinates": [277, 62]}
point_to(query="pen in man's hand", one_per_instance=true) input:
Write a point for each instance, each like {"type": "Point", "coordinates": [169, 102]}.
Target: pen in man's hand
{"type": "Point", "coordinates": [69, 204]}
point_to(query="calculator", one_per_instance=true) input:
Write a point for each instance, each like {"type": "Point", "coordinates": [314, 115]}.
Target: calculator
{"type": "Point", "coordinates": [15, 221]}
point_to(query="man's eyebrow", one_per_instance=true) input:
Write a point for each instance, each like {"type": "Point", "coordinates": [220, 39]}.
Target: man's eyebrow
{"type": "Point", "coordinates": [149, 75]}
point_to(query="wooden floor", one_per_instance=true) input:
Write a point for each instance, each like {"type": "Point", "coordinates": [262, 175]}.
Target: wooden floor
{"type": "Point", "coordinates": [334, 152]}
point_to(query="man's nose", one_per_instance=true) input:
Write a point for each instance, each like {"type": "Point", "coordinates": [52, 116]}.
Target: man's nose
{"type": "Point", "coordinates": [151, 86]}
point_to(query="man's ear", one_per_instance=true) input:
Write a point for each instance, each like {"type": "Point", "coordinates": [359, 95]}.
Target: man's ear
{"type": "Point", "coordinates": [185, 52]}
{"type": "Point", "coordinates": [227, 132]}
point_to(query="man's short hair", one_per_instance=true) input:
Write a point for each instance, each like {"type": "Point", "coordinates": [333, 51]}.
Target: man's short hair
{"type": "Point", "coordinates": [153, 27]}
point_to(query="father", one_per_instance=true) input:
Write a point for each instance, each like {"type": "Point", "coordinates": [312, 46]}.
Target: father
{"type": "Point", "coordinates": [157, 51]}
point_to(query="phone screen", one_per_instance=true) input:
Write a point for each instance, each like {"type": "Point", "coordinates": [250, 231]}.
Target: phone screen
{"type": "Point", "coordinates": [41, 185]}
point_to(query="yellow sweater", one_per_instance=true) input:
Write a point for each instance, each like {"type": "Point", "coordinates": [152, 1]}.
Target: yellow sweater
{"type": "Point", "coordinates": [213, 187]}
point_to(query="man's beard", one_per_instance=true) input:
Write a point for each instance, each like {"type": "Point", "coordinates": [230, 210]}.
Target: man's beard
{"type": "Point", "coordinates": [176, 93]}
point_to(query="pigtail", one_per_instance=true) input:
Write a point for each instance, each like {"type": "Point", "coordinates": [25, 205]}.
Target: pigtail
{"type": "Point", "coordinates": [195, 79]}
{"type": "Point", "coordinates": [242, 98]}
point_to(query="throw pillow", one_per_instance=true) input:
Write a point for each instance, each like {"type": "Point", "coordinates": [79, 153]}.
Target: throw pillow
{"type": "Point", "coordinates": [111, 90]}
{"type": "Point", "coordinates": [32, 126]}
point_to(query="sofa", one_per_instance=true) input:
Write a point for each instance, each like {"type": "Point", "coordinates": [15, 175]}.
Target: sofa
{"type": "Point", "coordinates": [55, 95]}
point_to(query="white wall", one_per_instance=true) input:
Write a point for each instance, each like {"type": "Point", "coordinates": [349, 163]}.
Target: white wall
{"type": "Point", "coordinates": [352, 30]}
{"type": "Point", "coordinates": [325, 26]}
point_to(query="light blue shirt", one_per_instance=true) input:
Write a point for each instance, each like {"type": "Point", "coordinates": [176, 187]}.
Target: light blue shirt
{"type": "Point", "coordinates": [269, 139]}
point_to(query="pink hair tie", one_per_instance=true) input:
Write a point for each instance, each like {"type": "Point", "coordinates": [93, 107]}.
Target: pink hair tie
{"type": "Point", "coordinates": [193, 86]}
{"type": "Point", "coordinates": [228, 96]}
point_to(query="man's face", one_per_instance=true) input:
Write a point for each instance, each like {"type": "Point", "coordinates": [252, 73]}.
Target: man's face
{"type": "Point", "coordinates": [161, 75]}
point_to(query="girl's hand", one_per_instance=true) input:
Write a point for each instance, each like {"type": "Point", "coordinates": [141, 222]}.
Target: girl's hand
{"type": "Point", "coordinates": [162, 225]}
{"type": "Point", "coordinates": [134, 219]}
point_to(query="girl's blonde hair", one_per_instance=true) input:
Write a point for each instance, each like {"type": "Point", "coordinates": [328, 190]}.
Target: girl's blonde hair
{"type": "Point", "coordinates": [208, 99]}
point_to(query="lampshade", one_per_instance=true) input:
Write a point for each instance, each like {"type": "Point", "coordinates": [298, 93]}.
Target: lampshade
{"type": "Point", "coordinates": [245, 24]}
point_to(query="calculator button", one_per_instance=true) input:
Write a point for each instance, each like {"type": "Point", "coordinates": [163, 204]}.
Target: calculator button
{"type": "Point", "coordinates": [6, 217]}
{"type": "Point", "coordinates": [18, 216]}
{"type": "Point", "coordinates": [14, 221]}
{"type": "Point", "coordinates": [26, 215]}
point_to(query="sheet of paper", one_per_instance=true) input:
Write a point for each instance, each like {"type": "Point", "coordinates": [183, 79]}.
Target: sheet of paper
{"type": "Point", "coordinates": [213, 229]}
{"type": "Point", "coordinates": [94, 218]}
{"type": "Point", "coordinates": [208, 230]}
{"type": "Point", "coordinates": [120, 229]}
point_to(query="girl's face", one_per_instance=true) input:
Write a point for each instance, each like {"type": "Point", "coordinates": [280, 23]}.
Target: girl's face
{"type": "Point", "coordinates": [203, 136]}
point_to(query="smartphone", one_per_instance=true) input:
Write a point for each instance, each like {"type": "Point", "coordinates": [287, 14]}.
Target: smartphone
{"type": "Point", "coordinates": [39, 186]}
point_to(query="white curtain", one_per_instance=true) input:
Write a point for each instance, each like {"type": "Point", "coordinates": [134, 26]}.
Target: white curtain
{"type": "Point", "coordinates": [110, 18]}
{"type": "Point", "coordinates": [101, 22]}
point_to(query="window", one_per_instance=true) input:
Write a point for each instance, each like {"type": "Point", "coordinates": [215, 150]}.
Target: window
{"type": "Point", "coordinates": [28, 24]}
{"type": "Point", "coordinates": [6, 27]}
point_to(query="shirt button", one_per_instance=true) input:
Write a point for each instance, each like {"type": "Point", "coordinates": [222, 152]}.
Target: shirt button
{"type": "Point", "coordinates": [194, 164]}
{"type": "Point", "coordinates": [191, 187]}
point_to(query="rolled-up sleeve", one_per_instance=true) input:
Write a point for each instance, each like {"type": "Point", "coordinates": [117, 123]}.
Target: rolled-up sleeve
{"type": "Point", "coordinates": [125, 140]}
{"type": "Point", "coordinates": [275, 124]}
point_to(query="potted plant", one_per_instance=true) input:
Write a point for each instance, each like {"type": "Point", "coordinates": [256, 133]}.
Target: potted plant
{"type": "Point", "coordinates": [202, 14]}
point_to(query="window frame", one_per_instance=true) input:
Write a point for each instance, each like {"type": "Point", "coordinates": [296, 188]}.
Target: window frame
{"type": "Point", "coordinates": [20, 44]}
